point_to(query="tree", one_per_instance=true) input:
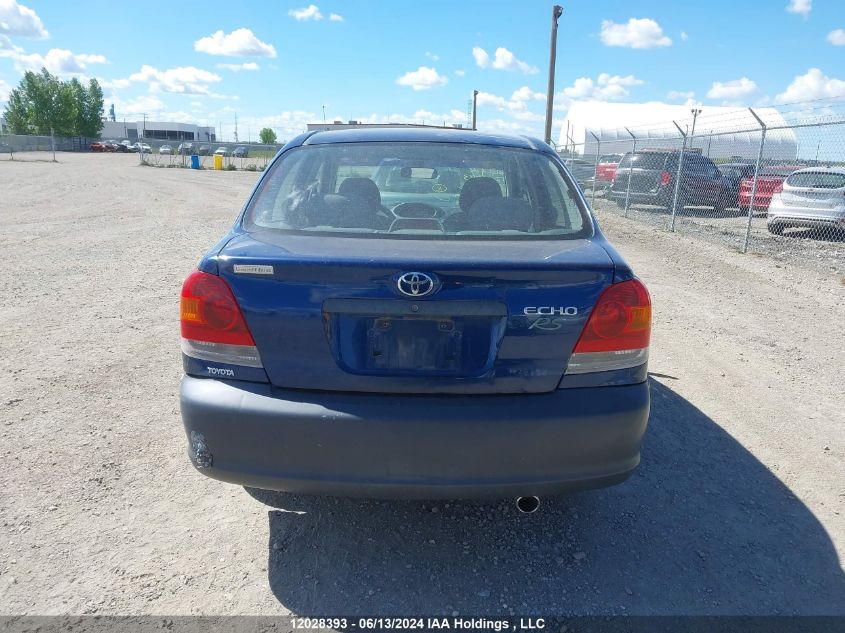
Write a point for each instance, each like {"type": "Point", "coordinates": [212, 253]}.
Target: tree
{"type": "Point", "coordinates": [17, 117]}
{"type": "Point", "coordinates": [267, 136]}
{"type": "Point", "coordinates": [42, 104]}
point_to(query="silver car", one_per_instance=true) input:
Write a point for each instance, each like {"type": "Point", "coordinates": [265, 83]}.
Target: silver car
{"type": "Point", "coordinates": [165, 149]}
{"type": "Point", "coordinates": [811, 198]}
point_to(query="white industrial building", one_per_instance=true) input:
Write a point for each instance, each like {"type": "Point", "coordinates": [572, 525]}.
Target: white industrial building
{"type": "Point", "coordinates": [720, 132]}
{"type": "Point", "coordinates": [158, 130]}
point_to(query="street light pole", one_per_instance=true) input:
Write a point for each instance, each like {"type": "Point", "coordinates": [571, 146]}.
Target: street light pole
{"type": "Point", "coordinates": [474, 107]}
{"type": "Point", "coordinates": [557, 11]}
{"type": "Point", "coordinates": [695, 112]}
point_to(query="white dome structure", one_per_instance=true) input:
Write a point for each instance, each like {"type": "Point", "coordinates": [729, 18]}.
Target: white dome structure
{"type": "Point", "coordinates": [720, 132]}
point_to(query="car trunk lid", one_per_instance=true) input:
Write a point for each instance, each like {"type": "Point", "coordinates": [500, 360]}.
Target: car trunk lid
{"type": "Point", "coordinates": [503, 317]}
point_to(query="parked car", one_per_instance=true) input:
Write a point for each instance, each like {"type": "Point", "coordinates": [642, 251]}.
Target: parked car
{"type": "Point", "coordinates": [652, 175]}
{"type": "Point", "coordinates": [241, 152]}
{"type": "Point", "coordinates": [126, 146]}
{"type": "Point", "coordinates": [769, 182]}
{"type": "Point", "coordinates": [204, 150]}
{"type": "Point", "coordinates": [734, 173]}
{"type": "Point", "coordinates": [111, 145]}
{"type": "Point", "coordinates": [98, 146]}
{"type": "Point", "coordinates": [582, 170]}
{"type": "Point", "coordinates": [222, 151]}
{"type": "Point", "coordinates": [491, 344]}
{"type": "Point", "coordinates": [606, 169]}
{"type": "Point", "coordinates": [809, 198]}
{"type": "Point", "coordinates": [165, 149]}
{"type": "Point", "coordinates": [185, 149]}
{"type": "Point", "coordinates": [143, 147]}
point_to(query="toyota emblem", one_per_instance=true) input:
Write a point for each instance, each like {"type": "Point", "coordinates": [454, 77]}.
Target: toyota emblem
{"type": "Point", "coordinates": [416, 284]}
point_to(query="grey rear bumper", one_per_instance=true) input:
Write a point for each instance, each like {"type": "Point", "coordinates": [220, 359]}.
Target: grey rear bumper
{"type": "Point", "coordinates": [382, 445]}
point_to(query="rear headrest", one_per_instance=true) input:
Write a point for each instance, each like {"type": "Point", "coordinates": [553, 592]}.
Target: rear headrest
{"type": "Point", "coordinates": [476, 188]}
{"type": "Point", "coordinates": [361, 188]}
{"type": "Point", "coordinates": [500, 214]}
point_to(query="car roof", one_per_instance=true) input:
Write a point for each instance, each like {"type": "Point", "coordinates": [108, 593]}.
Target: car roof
{"type": "Point", "coordinates": [825, 170]}
{"type": "Point", "coordinates": [422, 135]}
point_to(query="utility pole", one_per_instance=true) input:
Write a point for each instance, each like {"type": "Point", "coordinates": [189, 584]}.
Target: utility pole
{"type": "Point", "coordinates": [144, 129]}
{"type": "Point", "coordinates": [557, 11]}
{"type": "Point", "coordinates": [324, 115]}
{"type": "Point", "coordinates": [236, 127]}
{"type": "Point", "coordinates": [474, 108]}
{"type": "Point", "coordinates": [695, 112]}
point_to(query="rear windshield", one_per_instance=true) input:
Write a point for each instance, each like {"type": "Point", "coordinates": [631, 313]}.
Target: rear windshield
{"type": "Point", "coordinates": [734, 171]}
{"type": "Point", "coordinates": [646, 160]}
{"type": "Point", "coordinates": [610, 158]}
{"type": "Point", "coordinates": [817, 179]}
{"type": "Point", "coordinates": [420, 191]}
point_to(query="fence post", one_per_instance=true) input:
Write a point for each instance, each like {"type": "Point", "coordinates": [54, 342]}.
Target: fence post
{"type": "Point", "coordinates": [53, 144]}
{"type": "Point", "coordinates": [630, 171]}
{"type": "Point", "coordinates": [756, 178]}
{"type": "Point", "coordinates": [678, 176]}
{"type": "Point", "coordinates": [595, 168]}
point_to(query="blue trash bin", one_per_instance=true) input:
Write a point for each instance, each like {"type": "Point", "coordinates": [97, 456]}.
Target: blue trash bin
{"type": "Point", "coordinates": [195, 161]}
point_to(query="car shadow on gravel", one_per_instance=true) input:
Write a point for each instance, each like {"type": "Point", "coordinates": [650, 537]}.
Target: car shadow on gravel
{"type": "Point", "coordinates": [702, 528]}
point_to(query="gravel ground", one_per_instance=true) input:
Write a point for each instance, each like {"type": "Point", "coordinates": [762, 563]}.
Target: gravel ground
{"type": "Point", "coordinates": [736, 509]}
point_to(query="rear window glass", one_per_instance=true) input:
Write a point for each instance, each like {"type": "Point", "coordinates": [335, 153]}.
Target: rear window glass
{"type": "Point", "coordinates": [610, 158]}
{"type": "Point", "coordinates": [646, 160]}
{"type": "Point", "coordinates": [420, 191]}
{"type": "Point", "coordinates": [735, 171]}
{"type": "Point", "coordinates": [817, 179]}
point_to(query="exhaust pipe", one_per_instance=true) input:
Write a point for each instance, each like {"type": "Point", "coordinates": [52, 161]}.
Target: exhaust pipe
{"type": "Point", "coordinates": [527, 505]}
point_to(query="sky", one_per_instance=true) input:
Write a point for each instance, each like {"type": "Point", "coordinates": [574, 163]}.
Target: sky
{"type": "Point", "coordinates": [282, 64]}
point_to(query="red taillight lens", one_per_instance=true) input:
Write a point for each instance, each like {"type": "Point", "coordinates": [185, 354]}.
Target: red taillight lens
{"type": "Point", "coordinates": [209, 312]}
{"type": "Point", "coordinates": [621, 320]}
{"type": "Point", "coordinates": [665, 178]}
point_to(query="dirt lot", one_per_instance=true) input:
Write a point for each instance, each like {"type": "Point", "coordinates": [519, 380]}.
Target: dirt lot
{"type": "Point", "coordinates": [738, 507]}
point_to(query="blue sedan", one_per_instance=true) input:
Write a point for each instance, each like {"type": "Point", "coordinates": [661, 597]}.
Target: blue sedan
{"type": "Point", "coordinates": [415, 313]}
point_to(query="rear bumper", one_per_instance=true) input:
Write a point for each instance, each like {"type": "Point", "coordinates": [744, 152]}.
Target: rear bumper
{"type": "Point", "coordinates": [659, 198]}
{"type": "Point", "coordinates": [785, 218]}
{"type": "Point", "coordinates": [379, 445]}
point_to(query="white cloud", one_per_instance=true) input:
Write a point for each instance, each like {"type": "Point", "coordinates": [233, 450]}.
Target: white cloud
{"type": "Point", "coordinates": [239, 67]}
{"type": "Point", "coordinates": [153, 107]}
{"type": "Point", "coordinates": [801, 7]}
{"type": "Point", "coordinates": [606, 87]}
{"type": "Point", "coordinates": [813, 84]}
{"type": "Point", "coordinates": [5, 89]}
{"type": "Point", "coordinates": [526, 94]}
{"type": "Point", "coordinates": [16, 19]}
{"type": "Point", "coordinates": [516, 106]}
{"type": "Point", "coordinates": [837, 37]}
{"type": "Point", "coordinates": [432, 56]}
{"type": "Point", "coordinates": [58, 61]}
{"type": "Point", "coordinates": [503, 59]}
{"type": "Point", "coordinates": [311, 12]}
{"type": "Point", "coordinates": [460, 73]}
{"type": "Point", "coordinates": [684, 36]}
{"type": "Point", "coordinates": [181, 80]}
{"type": "Point", "coordinates": [112, 84]}
{"type": "Point", "coordinates": [732, 90]}
{"type": "Point", "coordinates": [334, 17]}
{"type": "Point", "coordinates": [422, 79]}
{"type": "Point", "coordinates": [674, 95]}
{"type": "Point", "coordinates": [238, 43]}
{"type": "Point", "coordinates": [636, 33]}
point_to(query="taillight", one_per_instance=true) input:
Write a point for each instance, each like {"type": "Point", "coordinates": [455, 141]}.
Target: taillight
{"type": "Point", "coordinates": [213, 327]}
{"type": "Point", "coordinates": [617, 332]}
{"type": "Point", "coordinates": [665, 178]}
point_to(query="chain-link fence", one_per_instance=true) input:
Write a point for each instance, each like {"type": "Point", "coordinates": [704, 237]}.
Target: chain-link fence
{"type": "Point", "coordinates": [777, 188]}
{"type": "Point", "coordinates": [154, 152]}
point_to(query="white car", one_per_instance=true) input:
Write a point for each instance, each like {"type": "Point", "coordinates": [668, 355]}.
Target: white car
{"type": "Point", "coordinates": [811, 198]}
{"type": "Point", "coordinates": [222, 151]}
{"type": "Point", "coordinates": [143, 148]}
{"type": "Point", "coordinates": [165, 149]}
